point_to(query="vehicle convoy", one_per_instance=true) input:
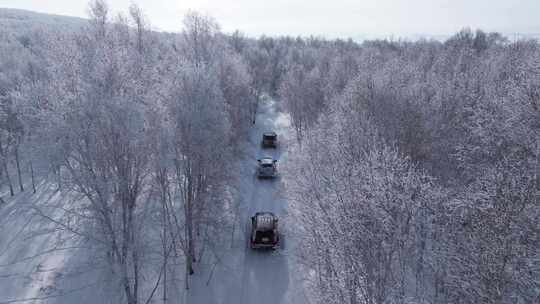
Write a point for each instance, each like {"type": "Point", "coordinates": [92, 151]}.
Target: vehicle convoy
{"type": "Point", "coordinates": [264, 231]}
{"type": "Point", "coordinates": [269, 140]}
{"type": "Point", "coordinates": [267, 167]}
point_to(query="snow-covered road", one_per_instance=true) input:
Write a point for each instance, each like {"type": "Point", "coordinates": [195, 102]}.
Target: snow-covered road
{"type": "Point", "coordinates": [244, 275]}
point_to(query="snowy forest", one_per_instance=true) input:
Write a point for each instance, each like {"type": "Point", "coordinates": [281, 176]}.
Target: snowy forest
{"type": "Point", "coordinates": [412, 170]}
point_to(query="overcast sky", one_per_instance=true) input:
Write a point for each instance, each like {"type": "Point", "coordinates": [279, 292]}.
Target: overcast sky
{"type": "Point", "coordinates": [331, 18]}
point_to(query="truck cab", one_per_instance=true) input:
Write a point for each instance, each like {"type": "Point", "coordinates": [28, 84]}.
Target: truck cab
{"type": "Point", "coordinates": [269, 140]}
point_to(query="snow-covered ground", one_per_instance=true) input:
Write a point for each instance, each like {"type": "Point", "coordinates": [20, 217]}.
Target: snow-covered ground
{"type": "Point", "coordinates": [30, 255]}
{"type": "Point", "coordinates": [244, 275]}
{"type": "Point", "coordinates": [33, 265]}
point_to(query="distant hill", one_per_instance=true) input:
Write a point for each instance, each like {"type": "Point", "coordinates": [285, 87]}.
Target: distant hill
{"type": "Point", "coordinates": [21, 21]}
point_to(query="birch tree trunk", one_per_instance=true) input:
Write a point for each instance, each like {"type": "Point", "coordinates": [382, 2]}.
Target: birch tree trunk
{"type": "Point", "coordinates": [18, 164]}
{"type": "Point", "coordinates": [8, 178]}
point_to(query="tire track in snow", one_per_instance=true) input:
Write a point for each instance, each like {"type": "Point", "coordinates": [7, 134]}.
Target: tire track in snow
{"type": "Point", "coordinates": [265, 275]}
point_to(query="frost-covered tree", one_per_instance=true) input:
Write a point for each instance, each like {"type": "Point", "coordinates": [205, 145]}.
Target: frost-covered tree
{"type": "Point", "coordinates": [14, 68]}
{"type": "Point", "coordinates": [425, 157]}
{"type": "Point", "coordinates": [100, 90]}
{"type": "Point", "coordinates": [199, 124]}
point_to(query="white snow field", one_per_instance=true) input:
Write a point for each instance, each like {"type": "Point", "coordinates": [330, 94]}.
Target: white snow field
{"type": "Point", "coordinates": [33, 265]}
{"type": "Point", "coordinates": [38, 261]}
{"type": "Point", "coordinates": [32, 254]}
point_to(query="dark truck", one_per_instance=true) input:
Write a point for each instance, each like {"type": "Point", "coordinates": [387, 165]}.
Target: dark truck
{"type": "Point", "coordinates": [269, 140]}
{"type": "Point", "coordinates": [264, 231]}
